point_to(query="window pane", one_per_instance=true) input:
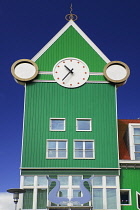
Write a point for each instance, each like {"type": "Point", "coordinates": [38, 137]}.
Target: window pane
{"type": "Point", "coordinates": [57, 124]}
{"type": "Point", "coordinates": [42, 181]}
{"type": "Point", "coordinates": [137, 156]}
{"type": "Point", "coordinates": [63, 180]}
{"type": "Point", "coordinates": [51, 153]}
{"type": "Point", "coordinates": [136, 131]}
{"type": "Point", "coordinates": [61, 145]}
{"type": "Point", "coordinates": [28, 199]}
{"type": "Point", "coordinates": [97, 180]}
{"type": "Point", "coordinates": [76, 193]}
{"type": "Point", "coordinates": [78, 144]}
{"type": "Point", "coordinates": [124, 197]}
{"type": "Point", "coordinates": [63, 193]}
{"type": "Point", "coordinates": [111, 199]}
{"type": "Point", "coordinates": [76, 180]}
{"type": "Point", "coordinates": [52, 144]}
{"type": "Point", "coordinates": [83, 124]}
{"type": "Point", "coordinates": [137, 139]}
{"type": "Point", "coordinates": [28, 181]}
{"type": "Point", "coordinates": [78, 154]}
{"type": "Point", "coordinates": [61, 153]}
{"type": "Point", "coordinates": [137, 148]}
{"type": "Point", "coordinates": [98, 198]}
{"type": "Point", "coordinates": [88, 145]}
{"type": "Point", "coordinates": [88, 154]}
{"type": "Point", "coordinates": [41, 198]}
{"type": "Point", "coordinates": [111, 181]}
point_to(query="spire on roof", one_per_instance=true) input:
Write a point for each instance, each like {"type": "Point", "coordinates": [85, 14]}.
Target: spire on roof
{"type": "Point", "coordinates": [71, 16]}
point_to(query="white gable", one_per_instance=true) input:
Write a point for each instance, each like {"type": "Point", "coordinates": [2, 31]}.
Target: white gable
{"type": "Point", "coordinates": [71, 23]}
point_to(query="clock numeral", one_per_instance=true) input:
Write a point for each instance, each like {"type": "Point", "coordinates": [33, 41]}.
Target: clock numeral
{"type": "Point", "coordinates": [83, 78]}
{"type": "Point", "coordinates": [85, 72]}
{"type": "Point", "coordinates": [58, 78]}
{"type": "Point", "coordinates": [70, 60]}
{"type": "Point", "coordinates": [58, 66]}
{"type": "Point", "coordinates": [78, 83]}
{"type": "Point", "coordinates": [63, 61]}
{"type": "Point", "coordinates": [70, 84]}
{"type": "Point", "coordinates": [83, 66]}
{"type": "Point", "coordinates": [56, 72]}
{"type": "Point", "coordinates": [63, 83]}
{"type": "Point", "coordinates": [78, 62]}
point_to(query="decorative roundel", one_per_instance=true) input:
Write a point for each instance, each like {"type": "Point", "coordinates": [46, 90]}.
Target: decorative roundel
{"type": "Point", "coordinates": [116, 72]}
{"type": "Point", "coordinates": [24, 70]}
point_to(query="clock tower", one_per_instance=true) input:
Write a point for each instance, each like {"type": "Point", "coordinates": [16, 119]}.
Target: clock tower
{"type": "Point", "coordinates": [70, 143]}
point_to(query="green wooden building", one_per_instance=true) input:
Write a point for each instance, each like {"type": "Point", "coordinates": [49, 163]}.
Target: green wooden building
{"type": "Point", "coordinates": [70, 148]}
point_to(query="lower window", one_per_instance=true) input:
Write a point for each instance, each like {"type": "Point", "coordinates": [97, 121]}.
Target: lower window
{"type": "Point", "coordinates": [125, 196]}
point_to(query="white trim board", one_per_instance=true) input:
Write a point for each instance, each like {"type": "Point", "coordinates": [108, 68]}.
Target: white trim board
{"type": "Point", "coordinates": [70, 23]}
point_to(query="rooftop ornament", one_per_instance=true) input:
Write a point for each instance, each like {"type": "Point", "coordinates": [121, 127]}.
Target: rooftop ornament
{"type": "Point", "coordinates": [71, 16]}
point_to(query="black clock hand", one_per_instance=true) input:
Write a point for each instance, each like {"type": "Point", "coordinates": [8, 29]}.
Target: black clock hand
{"type": "Point", "coordinates": [70, 71]}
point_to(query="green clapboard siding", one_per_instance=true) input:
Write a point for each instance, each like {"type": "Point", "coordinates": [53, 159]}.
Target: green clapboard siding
{"type": "Point", "coordinates": [129, 179]}
{"type": "Point", "coordinates": [50, 100]}
{"type": "Point", "coordinates": [70, 44]}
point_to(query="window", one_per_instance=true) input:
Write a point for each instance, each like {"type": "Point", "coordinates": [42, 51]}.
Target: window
{"type": "Point", "coordinates": [138, 200]}
{"type": "Point", "coordinates": [134, 141]}
{"type": "Point", "coordinates": [70, 187]}
{"type": "Point", "coordinates": [57, 148]}
{"type": "Point", "coordinates": [84, 149]}
{"type": "Point", "coordinates": [105, 192]}
{"type": "Point", "coordinates": [57, 124]}
{"type": "Point", "coordinates": [125, 196]}
{"type": "Point", "coordinates": [83, 124]}
{"type": "Point", "coordinates": [36, 188]}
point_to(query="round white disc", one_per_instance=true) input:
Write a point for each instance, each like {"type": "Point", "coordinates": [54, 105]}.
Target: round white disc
{"type": "Point", "coordinates": [25, 70]}
{"type": "Point", "coordinates": [116, 72]}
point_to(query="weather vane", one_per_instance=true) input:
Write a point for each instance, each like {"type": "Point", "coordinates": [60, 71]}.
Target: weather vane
{"type": "Point", "coordinates": [71, 16]}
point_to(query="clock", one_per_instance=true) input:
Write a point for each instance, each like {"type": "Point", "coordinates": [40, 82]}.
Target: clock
{"type": "Point", "coordinates": [116, 72]}
{"type": "Point", "coordinates": [24, 70]}
{"type": "Point", "coordinates": [71, 72]}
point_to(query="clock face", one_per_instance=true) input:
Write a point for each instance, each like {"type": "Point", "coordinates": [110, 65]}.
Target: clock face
{"type": "Point", "coordinates": [70, 72]}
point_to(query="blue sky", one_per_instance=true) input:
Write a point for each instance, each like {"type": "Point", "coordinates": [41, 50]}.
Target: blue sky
{"type": "Point", "coordinates": [26, 26]}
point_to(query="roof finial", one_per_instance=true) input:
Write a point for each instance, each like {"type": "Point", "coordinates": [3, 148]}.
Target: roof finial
{"type": "Point", "coordinates": [71, 16]}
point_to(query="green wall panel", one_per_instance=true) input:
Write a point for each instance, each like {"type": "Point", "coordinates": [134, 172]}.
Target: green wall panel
{"type": "Point", "coordinates": [53, 172]}
{"type": "Point", "coordinates": [129, 179]}
{"type": "Point", "coordinates": [50, 100]}
{"type": "Point", "coordinates": [70, 44]}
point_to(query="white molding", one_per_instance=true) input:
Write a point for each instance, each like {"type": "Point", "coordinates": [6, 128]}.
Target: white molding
{"type": "Point", "coordinates": [73, 24]}
{"type": "Point", "coordinates": [95, 82]}
{"type": "Point", "coordinates": [69, 168]}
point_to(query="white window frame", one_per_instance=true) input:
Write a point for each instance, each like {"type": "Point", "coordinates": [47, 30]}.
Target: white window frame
{"type": "Point", "coordinates": [57, 140]}
{"type": "Point", "coordinates": [130, 201]}
{"type": "Point", "coordinates": [131, 127]}
{"type": "Point", "coordinates": [35, 188]}
{"type": "Point", "coordinates": [57, 119]}
{"type": "Point", "coordinates": [105, 187]}
{"type": "Point", "coordinates": [89, 119]}
{"type": "Point", "coordinates": [137, 193]}
{"type": "Point", "coordinates": [84, 140]}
